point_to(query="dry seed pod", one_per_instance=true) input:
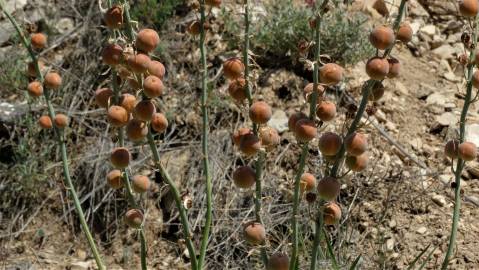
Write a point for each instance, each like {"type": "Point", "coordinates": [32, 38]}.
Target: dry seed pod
{"type": "Point", "coordinates": [61, 120]}
{"type": "Point", "coordinates": [194, 28]}
{"type": "Point", "coordinates": [156, 68]}
{"type": "Point", "coordinates": [237, 135]}
{"type": "Point", "coordinates": [112, 54]}
{"type": "Point", "coordinates": [382, 37]}
{"type": "Point", "coordinates": [331, 74]}
{"type": "Point", "coordinates": [153, 86]}
{"type": "Point", "coordinates": [307, 182]}
{"type": "Point", "coordinates": [147, 40]}
{"type": "Point", "coordinates": [377, 91]}
{"type": "Point", "coordinates": [294, 118]}
{"type": "Point", "coordinates": [138, 63]}
{"type": "Point", "coordinates": [331, 213]}
{"type": "Point", "coordinates": [451, 149]}
{"type": "Point", "coordinates": [467, 151]}
{"type": "Point", "coordinates": [136, 130]}
{"type": "Point", "coordinates": [45, 122]}
{"type": "Point", "coordinates": [305, 130]}
{"type": "Point", "coordinates": [213, 3]}
{"type": "Point", "coordinates": [377, 68]}
{"type": "Point", "coordinates": [52, 80]}
{"type": "Point", "coordinates": [469, 8]}
{"type": "Point", "coordinates": [404, 33]}
{"type": "Point", "coordinates": [159, 123]}
{"type": "Point", "coordinates": [308, 91]}
{"type": "Point", "coordinates": [254, 233]}
{"type": "Point", "coordinates": [260, 112]}
{"type": "Point", "coordinates": [120, 157]}
{"type": "Point", "coordinates": [330, 143]}
{"type": "Point", "coordinates": [357, 163]}
{"type": "Point", "coordinates": [114, 17]}
{"type": "Point", "coordinates": [233, 68]}
{"type": "Point", "coordinates": [237, 89]}
{"type": "Point", "coordinates": [250, 144]}
{"type": "Point", "coordinates": [356, 144]}
{"type": "Point", "coordinates": [328, 188]}
{"type": "Point", "coordinates": [326, 111]}
{"type": "Point", "coordinates": [38, 41]}
{"type": "Point", "coordinates": [140, 183]}
{"type": "Point", "coordinates": [269, 137]}
{"type": "Point", "coordinates": [144, 110]}
{"type": "Point", "coordinates": [134, 218]}
{"type": "Point", "coordinates": [278, 261]}
{"type": "Point", "coordinates": [102, 96]}
{"type": "Point", "coordinates": [244, 177]}
{"type": "Point", "coordinates": [118, 116]}
{"type": "Point", "coordinates": [475, 79]}
{"type": "Point", "coordinates": [394, 68]}
{"type": "Point", "coordinates": [128, 102]}
{"type": "Point", "coordinates": [115, 179]}
{"type": "Point", "coordinates": [35, 89]}
{"type": "Point", "coordinates": [32, 70]}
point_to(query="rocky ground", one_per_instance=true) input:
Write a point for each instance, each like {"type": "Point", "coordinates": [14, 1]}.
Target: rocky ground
{"type": "Point", "coordinates": [400, 206]}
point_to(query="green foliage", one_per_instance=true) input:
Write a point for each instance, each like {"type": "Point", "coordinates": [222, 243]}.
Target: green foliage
{"type": "Point", "coordinates": [281, 26]}
{"type": "Point", "coordinates": [154, 12]}
{"type": "Point", "coordinates": [13, 74]}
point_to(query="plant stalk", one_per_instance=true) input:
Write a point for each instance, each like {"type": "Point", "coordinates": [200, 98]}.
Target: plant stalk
{"type": "Point", "coordinates": [460, 162]}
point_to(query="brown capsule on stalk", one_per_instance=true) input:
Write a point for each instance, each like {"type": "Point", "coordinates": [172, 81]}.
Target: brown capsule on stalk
{"type": "Point", "coordinates": [260, 112]}
{"type": "Point", "coordinates": [112, 54]}
{"type": "Point", "coordinates": [138, 63]}
{"type": "Point", "coordinates": [35, 89]}
{"type": "Point", "coordinates": [118, 116]}
{"type": "Point", "coordinates": [136, 130]}
{"type": "Point", "coordinates": [102, 97]}
{"type": "Point", "coordinates": [140, 183]}
{"type": "Point", "coordinates": [326, 111]}
{"type": "Point", "coordinates": [144, 110]}
{"type": "Point", "coordinates": [254, 233]}
{"type": "Point", "coordinates": [120, 157]}
{"type": "Point", "coordinates": [159, 123]}
{"type": "Point", "coordinates": [294, 118]}
{"type": "Point", "coordinates": [305, 130]}
{"type": "Point", "coordinates": [356, 144]}
{"type": "Point", "coordinates": [467, 151]}
{"type": "Point", "coordinates": [237, 89]}
{"type": "Point", "coordinates": [244, 177]}
{"type": "Point", "coordinates": [331, 74]}
{"type": "Point", "coordinates": [237, 135]}
{"type": "Point", "coordinates": [269, 137]}
{"type": "Point", "coordinates": [377, 68]}
{"type": "Point", "coordinates": [331, 213]}
{"type": "Point", "coordinates": [451, 149]}
{"type": "Point", "coordinates": [114, 17]}
{"type": "Point", "coordinates": [38, 41]}
{"type": "Point", "coordinates": [357, 163]}
{"type": "Point", "coordinates": [153, 86]}
{"type": "Point", "coordinates": [134, 218]}
{"type": "Point", "coordinates": [52, 80]}
{"type": "Point", "coordinates": [382, 37]}
{"type": "Point", "coordinates": [156, 68]}
{"type": "Point", "coordinates": [307, 182]}
{"type": "Point", "coordinates": [404, 33]}
{"type": "Point", "coordinates": [233, 68]}
{"type": "Point", "coordinates": [128, 102]}
{"type": "Point", "coordinates": [147, 40]}
{"type": "Point", "coordinates": [61, 120]}
{"type": "Point", "coordinates": [278, 261]}
{"type": "Point", "coordinates": [330, 143]}
{"type": "Point", "coordinates": [250, 144]}
{"type": "Point", "coordinates": [394, 68]}
{"type": "Point", "coordinates": [328, 188]}
{"type": "Point", "coordinates": [45, 122]}
{"type": "Point", "coordinates": [115, 179]}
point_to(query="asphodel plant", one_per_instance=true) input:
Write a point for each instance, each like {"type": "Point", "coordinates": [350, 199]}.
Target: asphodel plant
{"type": "Point", "coordinates": [457, 149]}
{"type": "Point", "coordinates": [44, 84]}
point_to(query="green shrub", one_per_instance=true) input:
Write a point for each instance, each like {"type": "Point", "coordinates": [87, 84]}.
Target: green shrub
{"type": "Point", "coordinates": [154, 12]}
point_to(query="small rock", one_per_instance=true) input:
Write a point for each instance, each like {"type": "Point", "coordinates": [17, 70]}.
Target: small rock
{"type": "Point", "coordinates": [81, 254]}
{"type": "Point", "coordinates": [421, 230]}
{"type": "Point", "coordinates": [81, 265]}
{"type": "Point", "coordinates": [429, 30]}
{"type": "Point", "coordinates": [64, 25]}
{"type": "Point", "coordinates": [447, 119]}
{"type": "Point", "coordinates": [439, 200]}
{"type": "Point", "coordinates": [436, 99]}
{"type": "Point", "coordinates": [279, 121]}
{"type": "Point", "coordinates": [446, 51]}
{"type": "Point", "coordinates": [472, 133]}
{"type": "Point", "coordinates": [390, 244]}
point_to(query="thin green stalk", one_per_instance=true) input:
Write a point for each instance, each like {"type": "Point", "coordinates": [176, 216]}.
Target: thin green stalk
{"type": "Point", "coordinates": [61, 143]}
{"type": "Point", "coordinates": [204, 143]}
{"type": "Point", "coordinates": [460, 162]}
{"type": "Point", "coordinates": [129, 28]}
{"type": "Point", "coordinates": [143, 249]}
{"type": "Point", "coordinates": [178, 202]}
{"type": "Point", "coordinates": [317, 241]}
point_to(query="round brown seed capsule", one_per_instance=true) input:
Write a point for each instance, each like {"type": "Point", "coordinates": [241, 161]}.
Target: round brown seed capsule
{"type": "Point", "coordinates": [35, 89]}
{"type": "Point", "coordinates": [250, 144]}
{"type": "Point", "coordinates": [153, 86]}
{"type": "Point", "coordinates": [134, 218]}
{"type": "Point", "coordinates": [357, 163]}
{"type": "Point", "coordinates": [138, 63]}
{"type": "Point", "coordinates": [213, 3]}
{"type": "Point", "coordinates": [61, 120]}
{"type": "Point", "coordinates": [328, 188]}
{"type": "Point", "coordinates": [159, 123]}
{"type": "Point", "coordinates": [115, 179]}
{"type": "Point", "coordinates": [331, 74]}
{"type": "Point", "coordinates": [377, 68]}
{"type": "Point", "coordinates": [32, 70]}
{"type": "Point", "coordinates": [38, 40]}
{"type": "Point", "coordinates": [356, 144]}
{"type": "Point", "coordinates": [102, 96]}
{"type": "Point", "coordinates": [244, 177]}
{"type": "Point", "coordinates": [45, 122]}
{"type": "Point", "coordinates": [326, 111]}
{"type": "Point", "coordinates": [254, 233]}
{"type": "Point", "coordinates": [114, 17]}
{"type": "Point", "coordinates": [140, 183]}
{"type": "Point", "coordinates": [404, 33]}
{"type": "Point", "coordinates": [467, 151]}
{"type": "Point", "coordinates": [52, 80]}
{"type": "Point", "coordinates": [330, 143]}
{"type": "Point", "coordinates": [147, 40]}
{"type": "Point", "coordinates": [331, 213]}
{"type": "Point", "coordinates": [377, 91]}
{"type": "Point", "coordinates": [260, 112]}
{"type": "Point", "coordinates": [156, 68]}
{"type": "Point", "coordinates": [451, 149]}
{"type": "Point", "coordinates": [269, 137]}
{"type": "Point", "coordinates": [307, 182]}
{"type": "Point", "coordinates": [394, 68]}
{"type": "Point", "coordinates": [118, 116]}
{"type": "Point", "coordinates": [308, 92]}
{"type": "Point", "coordinates": [194, 28]}
{"type": "Point", "coordinates": [136, 130]}
{"type": "Point", "coordinates": [469, 8]}
{"type": "Point", "coordinates": [278, 261]}
{"type": "Point", "coordinates": [112, 54]}
{"type": "Point", "coordinates": [475, 79]}
{"type": "Point", "coordinates": [237, 135]}
{"type": "Point", "coordinates": [237, 89]}
{"type": "Point", "coordinates": [305, 130]}
{"type": "Point", "coordinates": [120, 157]}
{"type": "Point", "coordinates": [294, 118]}
{"type": "Point", "coordinates": [128, 102]}
{"type": "Point", "coordinates": [144, 110]}
{"type": "Point", "coordinates": [233, 68]}
{"type": "Point", "coordinates": [382, 37]}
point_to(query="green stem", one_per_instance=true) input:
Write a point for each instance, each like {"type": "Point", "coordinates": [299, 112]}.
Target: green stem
{"type": "Point", "coordinates": [129, 28]}
{"type": "Point", "coordinates": [143, 249]}
{"type": "Point", "coordinates": [61, 143]}
{"type": "Point", "coordinates": [178, 202]}
{"type": "Point", "coordinates": [460, 162]}
{"type": "Point", "coordinates": [317, 240]}
{"type": "Point", "coordinates": [205, 133]}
